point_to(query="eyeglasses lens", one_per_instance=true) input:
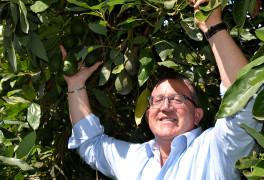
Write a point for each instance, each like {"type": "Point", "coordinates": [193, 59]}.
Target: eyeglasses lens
{"type": "Point", "coordinates": [174, 100]}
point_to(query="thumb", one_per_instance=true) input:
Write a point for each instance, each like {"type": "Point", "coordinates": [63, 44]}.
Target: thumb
{"type": "Point", "coordinates": [63, 51]}
{"type": "Point", "coordinates": [93, 68]}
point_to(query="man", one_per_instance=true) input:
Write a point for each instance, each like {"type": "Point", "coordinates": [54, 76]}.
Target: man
{"type": "Point", "coordinates": [180, 149]}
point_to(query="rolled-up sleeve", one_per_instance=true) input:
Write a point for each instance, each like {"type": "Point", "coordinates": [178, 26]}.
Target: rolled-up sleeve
{"type": "Point", "coordinates": [234, 140]}
{"type": "Point", "coordinates": [87, 128]}
{"type": "Point", "coordinates": [97, 149]}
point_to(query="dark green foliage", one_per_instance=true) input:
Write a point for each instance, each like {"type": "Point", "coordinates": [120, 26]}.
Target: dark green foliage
{"type": "Point", "coordinates": [34, 117]}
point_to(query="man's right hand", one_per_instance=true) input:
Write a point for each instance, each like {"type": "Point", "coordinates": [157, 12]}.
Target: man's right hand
{"type": "Point", "coordinates": [79, 79]}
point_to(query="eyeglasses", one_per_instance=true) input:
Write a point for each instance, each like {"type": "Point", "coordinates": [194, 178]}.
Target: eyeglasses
{"type": "Point", "coordinates": [176, 100]}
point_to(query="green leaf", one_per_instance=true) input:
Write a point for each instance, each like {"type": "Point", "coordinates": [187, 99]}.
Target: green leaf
{"type": "Point", "coordinates": [17, 162]}
{"type": "Point", "coordinates": [115, 2]}
{"type": "Point", "coordinates": [9, 27]}
{"type": "Point", "coordinates": [81, 4]}
{"type": "Point", "coordinates": [102, 7]}
{"type": "Point", "coordinates": [17, 122]}
{"type": "Point", "coordinates": [129, 20]}
{"type": "Point", "coordinates": [39, 6]}
{"type": "Point", "coordinates": [246, 35]}
{"type": "Point", "coordinates": [159, 24]}
{"type": "Point", "coordinates": [16, 99]}
{"type": "Point", "coordinates": [2, 138]}
{"type": "Point", "coordinates": [140, 40]}
{"type": "Point", "coordinates": [142, 105]}
{"type": "Point", "coordinates": [257, 79]}
{"type": "Point", "coordinates": [156, 1]}
{"type": "Point", "coordinates": [105, 73]}
{"type": "Point", "coordinates": [202, 15]}
{"type": "Point", "coordinates": [117, 56]}
{"type": "Point", "coordinates": [29, 92]}
{"type": "Point", "coordinates": [125, 7]}
{"type": "Point", "coordinates": [34, 115]}
{"type": "Point", "coordinates": [211, 5]}
{"type": "Point", "coordinates": [246, 162]}
{"type": "Point", "coordinates": [169, 64]}
{"type": "Point", "coordinates": [251, 7]}
{"type": "Point", "coordinates": [258, 54]}
{"type": "Point", "coordinates": [19, 176]}
{"type": "Point", "coordinates": [26, 145]}
{"type": "Point", "coordinates": [192, 58]}
{"type": "Point", "coordinates": [37, 46]}
{"type": "Point", "coordinates": [249, 66]}
{"type": "Point", "coordinates": [11, 55]}
{"type": "Point", "coordinates": [255, 134]}
{"type": "Point", "coordinates": [191, 29]}
{"type": "Point", "coordinates": [260, 33]}
{"type": "Point", "coordinates": [102, 98]}
{"type": "Point", "coordinates": [163, 48]}
{"type": "Point", "coordinates": [14, 12]}
{"type": "Point", "coordinates": [3, 149]}
{"type": "Point", "coordinates": [99, 27]}
{"type": "Point", "coordinates": [238, 94]}
{"type": "Point", "coordinates": [85, 51]}
{"type": "Point", "coordinates": [147, 65]}
{"type": "Point", "coordinates": [224, 3]}
{"type": "Point", "coordinates": [118, 69]}
{"type": "Point", "coordinates": [259, 169]}
{"type": "Point", "coordinates": [258, 106]}
{"type": "Point", "coordinates": [23, 17]}
{"type": "Point", "coordinates": [169, 4]}
{"type": "Point", "coordinates": [249, 175]}
{"type": "Point", "coordinates": [240, 11]}
{"type": "Point", "coordinates": [14, 111]}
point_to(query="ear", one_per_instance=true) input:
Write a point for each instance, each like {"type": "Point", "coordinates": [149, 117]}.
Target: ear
{"type": "Point", "coordinates": [198, 115]}
{"type": "Point", "coordinates": [147, 113]}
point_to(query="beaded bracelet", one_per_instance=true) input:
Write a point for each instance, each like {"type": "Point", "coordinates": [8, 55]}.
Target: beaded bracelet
{"type": "Point", "coordinates": [74, 91]}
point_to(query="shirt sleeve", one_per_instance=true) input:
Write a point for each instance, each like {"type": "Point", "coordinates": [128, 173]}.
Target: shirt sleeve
{"type": "Point", "coordinates": [97, 149]}
{"type": "Point", "coordinates": [230, 137]}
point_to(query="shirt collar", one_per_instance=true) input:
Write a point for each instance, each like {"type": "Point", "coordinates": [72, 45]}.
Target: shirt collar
{"type": "Point", "coordinates": [190, 136]}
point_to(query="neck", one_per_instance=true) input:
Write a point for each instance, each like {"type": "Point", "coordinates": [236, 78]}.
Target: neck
{"type": "Point", "coordinates": [165, 149]}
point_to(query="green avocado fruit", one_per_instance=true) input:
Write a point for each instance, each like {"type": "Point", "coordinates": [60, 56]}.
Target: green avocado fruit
{"type": "Point", "coordinates": [92, 58]}
{"type": "Point", "coordinates": [123, 83]}
{"type": "Point", "coordinates": [69, 41]}
{"type": "Point", "coordinates": [74, 52]}
{"type": "Point", "coordinates": [60, 79]}
{"type": "Point", "coordinates": [70, 66]}
{"type": "Point", "coordinates": [131, 62]}
{"type": "Point", "coordinates": [55, 62]}
{"type": "Point", "coordinates": [78, 27]}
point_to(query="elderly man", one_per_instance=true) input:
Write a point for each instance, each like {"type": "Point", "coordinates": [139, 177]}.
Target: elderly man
{"type": "Point", "coordinates": [180, 150]}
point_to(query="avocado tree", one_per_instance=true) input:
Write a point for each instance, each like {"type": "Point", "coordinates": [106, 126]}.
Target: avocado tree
{"type": "Point", "coordinates": [136, 40]}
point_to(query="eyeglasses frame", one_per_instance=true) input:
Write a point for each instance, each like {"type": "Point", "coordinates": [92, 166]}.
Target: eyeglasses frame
{"type": "Point", "coordinates": [167, 97]}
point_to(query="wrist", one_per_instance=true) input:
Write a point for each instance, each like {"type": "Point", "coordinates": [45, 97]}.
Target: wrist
{"type": "Point", "coordinates": [215, 29]}
{"type": "Point", "coordinates": [77, 90]}
{"type": "Point", "coordinates": [75, 86]}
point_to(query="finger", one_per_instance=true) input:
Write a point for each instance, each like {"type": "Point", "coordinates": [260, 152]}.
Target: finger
{"type": "Point", "coordinates": [198, 3]}
{"type": "Point", "coordinates": [63, 51]}
{"type": "Point", "coordinates": [192, 1]}
{"type": "Point", "coordinates": [95, 66]}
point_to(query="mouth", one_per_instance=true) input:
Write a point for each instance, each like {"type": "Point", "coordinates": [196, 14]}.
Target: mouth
{"type": "Point", "coordinates": [164, 120]}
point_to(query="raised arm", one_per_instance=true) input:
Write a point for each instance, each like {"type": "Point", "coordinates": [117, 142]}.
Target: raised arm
{"type": "Point", "coordinates": [228, 56]}
{"type": "Point", "coordinates": [79, 106]}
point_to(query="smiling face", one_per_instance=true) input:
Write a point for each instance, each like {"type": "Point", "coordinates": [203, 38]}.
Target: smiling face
{"type": "Point", "coordinates": [168, 122]}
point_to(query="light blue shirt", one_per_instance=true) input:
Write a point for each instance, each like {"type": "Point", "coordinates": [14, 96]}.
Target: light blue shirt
{"type": "Point", "coordinates": [195, 155]}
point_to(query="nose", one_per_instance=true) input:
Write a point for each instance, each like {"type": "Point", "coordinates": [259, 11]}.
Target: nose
{"type": "Point", "coordinates": [166, 104]}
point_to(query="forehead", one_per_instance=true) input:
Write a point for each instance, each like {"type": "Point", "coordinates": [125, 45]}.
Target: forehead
{"type": "Point", "coordinates": [171, 86]}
